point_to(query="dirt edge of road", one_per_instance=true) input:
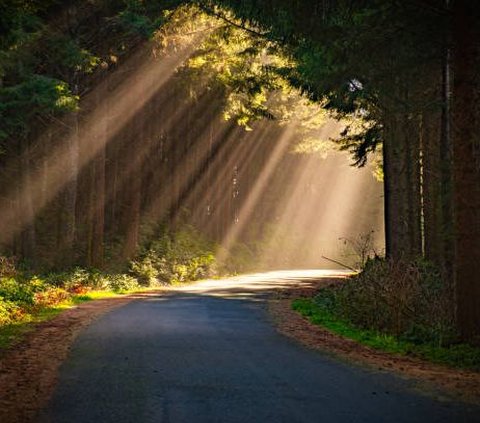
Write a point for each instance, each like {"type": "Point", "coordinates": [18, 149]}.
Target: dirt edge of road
{"type": "Point", "coordinates": [439, 381]}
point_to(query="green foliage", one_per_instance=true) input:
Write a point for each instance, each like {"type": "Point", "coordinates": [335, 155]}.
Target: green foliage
{"type": "Point", "coordinates": [349, 55]}
{"type": "Point", "coordinates": [322, 311]}
{"type": "Point", "coordinates": [319, 312]}
{"type": "Point", "coordinates": [140, 19]}
{"type": "Point", "coordinates": [20, 291]}
{"type": "Point", "coordinates": [122, 283]}
{"type": "Point", "coordinates": [79, 281]}
{"type": "Point", "coordinates": [50, 297]}
{"type": "Point", "coordinates": [174, 258]}
{"type": "Point", "coordinates": [361, 142]}
{"type": "Point", "coordinates": [10, 312]}
{"type": "Point", "coordinates": [23, 296]}
{"type": "Point", "coordinates": [36, 95]}
{"type": "Point", "coordinates": [67, 54]}
{"type": "Point", "coordinates": [408, 301]}
{"type": "Point", "coordinates": [242, 66]}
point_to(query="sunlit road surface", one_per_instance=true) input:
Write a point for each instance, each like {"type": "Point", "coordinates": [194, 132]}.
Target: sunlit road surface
{"type": "Point", "coordinates": [208, 353]}
{"type": "Point", "coordinates": [260, 285]}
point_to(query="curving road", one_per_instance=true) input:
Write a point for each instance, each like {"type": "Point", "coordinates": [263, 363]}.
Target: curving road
{"type": "Point", "coordinates": [207, 353]}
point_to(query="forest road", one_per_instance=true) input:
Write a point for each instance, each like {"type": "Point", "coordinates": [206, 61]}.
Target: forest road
{"type": "Point", "coordinates": [209, 353]}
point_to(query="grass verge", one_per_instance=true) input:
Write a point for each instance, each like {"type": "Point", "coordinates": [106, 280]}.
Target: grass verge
{"type": "Point", "coordinates": [459, 355]}
{"type": "Point", "coordinates": [14, 332]}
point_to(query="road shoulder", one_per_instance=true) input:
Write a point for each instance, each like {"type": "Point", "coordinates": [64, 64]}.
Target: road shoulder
{"type": "Point", "coordinates": [439, 381]}
{"type": "Point", "coordinates": [28, 370]}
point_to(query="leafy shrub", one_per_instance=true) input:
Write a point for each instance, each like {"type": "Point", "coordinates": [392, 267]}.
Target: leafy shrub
{"type": "Point", "coordinates": [20, 296]}
{"type": "Point", "coordinates": [146, 269]}
{"type": "Point", "coordinates": [183, 256]}
{"type": "Point", "coordinates": [409, 300]}
{"type": "Point", "coordinates": [9, 312]}
{"type": "Point", "coordinates": [21, 292]}
{"type": "Point", "coordinates": [98, 280]}
{"type": "Point", "coordinates": [50, 297]}
{"type": "Point", "coordinates": [80, 281]}
{"type": "Point", "coordinates": [122, 282]}
{"type": "Point", "coordinates": [74, 280]}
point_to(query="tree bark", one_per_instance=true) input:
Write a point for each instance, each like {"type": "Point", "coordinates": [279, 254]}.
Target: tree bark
{"type": "Point", "coordinates": [466, 165]}
{"type": "Point", "coordinates": [69, 197]}
{"type": "Point", "coordinates": [395, 189]}
{"type": "Point", "coordinates": [432, 194]}
{"type": "Point", "coordinates": [26, 210]}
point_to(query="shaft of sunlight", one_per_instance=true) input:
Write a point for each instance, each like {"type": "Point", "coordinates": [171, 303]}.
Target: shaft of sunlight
{"type": "Point", "coordinates": [141, 78]}
{"type": "Point", "coordinates": [254, 195]}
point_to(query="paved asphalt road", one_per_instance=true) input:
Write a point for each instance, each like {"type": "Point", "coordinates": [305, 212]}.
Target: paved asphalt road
{"type": "Point", "coordinates": [207, 353]}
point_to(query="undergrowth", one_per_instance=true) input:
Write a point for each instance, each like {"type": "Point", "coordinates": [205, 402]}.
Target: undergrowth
{"type": "Point", "coordinates": [395, 306]}
{"type": "Point", "coordinates": [175, 258]}
{"type": "Point", "coordinates": [27, 298]}
{"type": "Point", "coordinates": [15, 329]}
{"type": "Point", "coordinates": [455, 355]}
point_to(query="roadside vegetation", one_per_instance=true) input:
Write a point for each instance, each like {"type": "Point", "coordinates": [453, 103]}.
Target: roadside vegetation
{"type": "Point", "coordinates": [395, 306]}
{"type": "Point", "coordinates": [27, 298]}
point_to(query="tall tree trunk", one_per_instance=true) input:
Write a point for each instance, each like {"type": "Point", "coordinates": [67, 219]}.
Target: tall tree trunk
{"type": "Point", "coordinates": [402, 179]}
{"type": "Point", "coordinates": [446, 167]}
{"type": "Point", "coordinates": [431, 187]}
{"type": "Point", "coordinates": [25, 210]}
{"type": "Point", "coordinates": [413, 186]}
{"type": "Point", "coordinates": [466, 164]}
{"type": "Point", "coordinates": [395, 188]}
{"type": "Point", "coordinates": [133, 185]}
{"type": "Point", "coordinates": [69, 197]}
{"type": "Point", "coordinates": [98, 187]}
{"type": "Point", "coordinates": [98, 215]}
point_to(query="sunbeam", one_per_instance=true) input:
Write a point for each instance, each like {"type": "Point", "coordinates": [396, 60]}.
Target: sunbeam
{"type": "Point", "coordinates": [254, 194]}
{"type": "Point", "coordinates": [141, 78]}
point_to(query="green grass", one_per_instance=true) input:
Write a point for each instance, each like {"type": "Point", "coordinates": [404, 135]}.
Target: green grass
{"type": "Point", "coordinates": [95, 295]}
{"type": "Point", "coordinates": [11, 333]}
{"type": "Point", "coordinates": [14, 332]}
{"type": "Point", "coordinates": [460, 355]}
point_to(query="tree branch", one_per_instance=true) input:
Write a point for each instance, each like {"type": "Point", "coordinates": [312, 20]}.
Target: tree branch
{"type": "Point", "coordinates": [212, 12]}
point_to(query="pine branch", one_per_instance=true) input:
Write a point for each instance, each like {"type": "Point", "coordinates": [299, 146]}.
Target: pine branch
{"type": "Point", "coordinates": [218, 15]}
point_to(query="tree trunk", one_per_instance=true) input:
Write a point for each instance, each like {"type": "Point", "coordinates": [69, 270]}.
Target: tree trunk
{"type": "Point", "coordinates": [98, 206]}
{"type": "Point", "coordinates": [413, 186]}
{"type": "Point", "coordinates": [26, 211]}
{"type": "Point", "coordinates": [98, 215]}
{"type": "Point", "coordinates": [466, 165]}
{"type": "Point", "coordinates": [69, 200]}
{"type": "Point", "coordinates": [431, 188]}
{"type": "Point", "coordinates": [395, 189]}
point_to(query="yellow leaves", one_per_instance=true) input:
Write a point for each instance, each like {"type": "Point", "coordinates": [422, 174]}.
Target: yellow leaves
{"type": "Point", "coordinates": [197, 62]}
{"type": "Point", "coordinates": [248, 69]}
{"type": "Point", "coordinates": [65, 100]}
{"type": "Point", "coordinates": [313, 145]}
{"type": "Point", "coordinates": [182, 26]}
